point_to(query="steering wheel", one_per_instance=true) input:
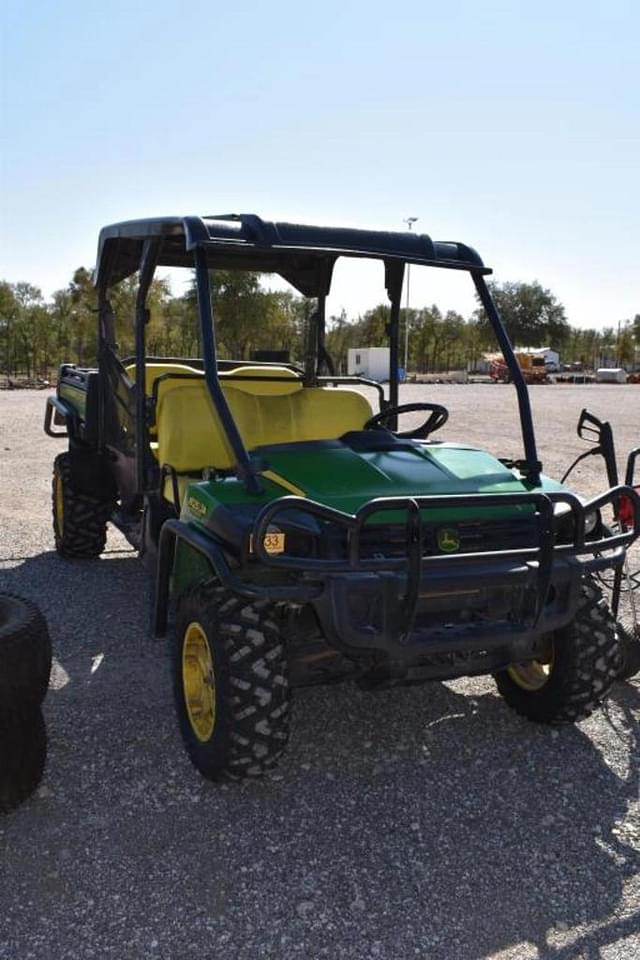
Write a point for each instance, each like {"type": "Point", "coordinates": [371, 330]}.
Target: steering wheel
{"type": "Point", "coordinates": [438, 417]}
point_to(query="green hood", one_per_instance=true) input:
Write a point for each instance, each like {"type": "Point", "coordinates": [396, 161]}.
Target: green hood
{"type": "Point", "coordinates": [335, 475]}
{"type": "Point", "coordinates": [342, 478]}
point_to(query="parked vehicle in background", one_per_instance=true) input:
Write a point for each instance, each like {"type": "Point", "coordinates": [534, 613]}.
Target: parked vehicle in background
{"type": "Point", "coordinates": [611, 375]}
{"type": "Point", "coordinates": [534, 369]}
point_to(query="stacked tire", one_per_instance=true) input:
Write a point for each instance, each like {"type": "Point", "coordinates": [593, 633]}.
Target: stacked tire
{"type": "Point", "coordinates": [25, 665]}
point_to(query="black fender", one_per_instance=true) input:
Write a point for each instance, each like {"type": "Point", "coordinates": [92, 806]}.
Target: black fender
{"type": "Point", "coordinates": [213, 553]}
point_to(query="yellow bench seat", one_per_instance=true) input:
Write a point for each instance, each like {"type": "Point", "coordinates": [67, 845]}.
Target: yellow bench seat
{"type": "Point", "coordinates": [191, 437]}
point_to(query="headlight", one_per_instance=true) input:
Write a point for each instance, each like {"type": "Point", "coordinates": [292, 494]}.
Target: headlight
{"type": "Point", "coordinates": [564, 524]}
{"type": "Point", "coordinates": [591, 521]}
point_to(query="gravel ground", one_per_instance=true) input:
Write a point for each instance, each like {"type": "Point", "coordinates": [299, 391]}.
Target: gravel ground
{"type": "Point", "coordinates": [423, 822]}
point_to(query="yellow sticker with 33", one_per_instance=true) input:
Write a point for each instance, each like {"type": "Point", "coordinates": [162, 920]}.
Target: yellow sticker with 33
{"type": "Point", "coordinates": [273, 542]}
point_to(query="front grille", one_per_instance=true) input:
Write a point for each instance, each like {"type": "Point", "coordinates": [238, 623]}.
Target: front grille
{"type": "Point", "coordinates": [389, 540]}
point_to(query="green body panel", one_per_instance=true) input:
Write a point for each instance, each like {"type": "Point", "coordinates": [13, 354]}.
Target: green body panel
{"type": "Point", "coordinates": [203, 496]}
{"type": "Point", "coordinates": [341, 478]}
{"type": "Point", "coordinates": [75, 396]}
{"type": "Point", "coordinates": [189, 568]}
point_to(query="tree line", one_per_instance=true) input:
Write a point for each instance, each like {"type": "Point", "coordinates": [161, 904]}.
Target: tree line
{"type": "Point", "coordinates": [37, 334]}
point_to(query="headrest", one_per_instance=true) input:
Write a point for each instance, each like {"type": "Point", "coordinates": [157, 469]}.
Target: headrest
{"type": "Point", "coordinates": [262, 381]}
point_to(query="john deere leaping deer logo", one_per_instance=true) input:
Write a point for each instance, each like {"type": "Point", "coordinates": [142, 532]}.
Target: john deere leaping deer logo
{"type": "Point", "coordinates": [448, 540]}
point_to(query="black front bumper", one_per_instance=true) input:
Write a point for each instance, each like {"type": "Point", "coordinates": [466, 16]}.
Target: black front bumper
{"type": "Point", "coordinates": [411, 609]}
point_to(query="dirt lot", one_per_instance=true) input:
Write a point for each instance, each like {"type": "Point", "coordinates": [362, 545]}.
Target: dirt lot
{"type": "Point", "coordinates": [425, 822]}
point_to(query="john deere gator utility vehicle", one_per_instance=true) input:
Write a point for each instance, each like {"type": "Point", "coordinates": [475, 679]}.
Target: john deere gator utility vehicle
{"type": "Point", "coordinates": [299, 535]}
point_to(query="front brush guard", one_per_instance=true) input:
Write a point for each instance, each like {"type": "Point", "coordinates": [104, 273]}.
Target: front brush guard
{"type": "Point", "coordinates": [402, 580]}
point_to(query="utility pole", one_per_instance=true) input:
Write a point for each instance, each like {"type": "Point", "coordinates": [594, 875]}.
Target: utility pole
{"type": "Point", "coordinates": [409, 222]}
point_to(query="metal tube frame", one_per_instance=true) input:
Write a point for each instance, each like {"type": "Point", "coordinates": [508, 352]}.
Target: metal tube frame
{"type": "Point", "coordinates": [205, 313]}
{"type": "Point", "coordinates": [150, 253]}
{"type": "Point", "coordinates": [531, 465]}
{"type": "Point", "coordinates": [394, 274]}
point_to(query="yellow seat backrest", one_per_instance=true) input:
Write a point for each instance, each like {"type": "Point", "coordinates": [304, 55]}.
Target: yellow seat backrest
{"type": "Point", "coordinates": [263, 381]}
{"type": "Point", "coordinates": [190, 435]}
{"type": "Point", "coordinates": [324, 413]}
{"type": "Point", "coordinates": [158, 369]}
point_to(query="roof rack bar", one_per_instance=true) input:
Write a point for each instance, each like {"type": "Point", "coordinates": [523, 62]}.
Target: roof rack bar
{"type": "Point", "coordinates": [246, 241]}
{"type": "Point", "coordinates": [265, 233]}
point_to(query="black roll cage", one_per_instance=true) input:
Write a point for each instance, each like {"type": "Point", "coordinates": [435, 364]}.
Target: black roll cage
{"type": "Point", "coordinates": [305, 256]}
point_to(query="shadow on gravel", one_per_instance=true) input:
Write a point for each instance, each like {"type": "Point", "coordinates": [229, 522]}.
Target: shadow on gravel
{"type": "Point", "coordinates": [515, 834]}
{"type": "Point", "coordinates": [424, 822]}
{"type": "Point", "coordinates": [79, 597]}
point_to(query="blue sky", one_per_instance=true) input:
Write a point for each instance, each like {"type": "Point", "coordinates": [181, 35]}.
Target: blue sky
{"type": "Point", "coordinates": [511, 126]}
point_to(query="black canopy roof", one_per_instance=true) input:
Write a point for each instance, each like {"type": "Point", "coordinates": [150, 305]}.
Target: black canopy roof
{"type": "Point", "coordinates": [302, 254]}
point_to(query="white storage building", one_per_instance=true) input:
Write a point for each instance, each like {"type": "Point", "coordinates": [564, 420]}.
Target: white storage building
{"type": "Point", "coordinates": [370, 362]}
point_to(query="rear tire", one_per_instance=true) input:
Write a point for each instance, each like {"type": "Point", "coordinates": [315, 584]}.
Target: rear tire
{"type": "Point", "coordinates": [231, 683]}
{"type": "Point", "coordinates": [25, 656]}
{"type": "Point", "coordinates": [23, 753]}
{"type": "Point", "coordinates": [79, 519]}
{"type": "Point", "coordinates": [585, 659]}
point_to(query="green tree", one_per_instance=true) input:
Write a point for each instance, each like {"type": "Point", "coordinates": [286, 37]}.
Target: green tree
{"type": "Point", "coordinates": [9, 311]}
{"type": "Point", "coordinates": [341, 336]}
{"type": "Point", "coordinates": [625, 346]}
{"type": "Point", "coordinates": [531, 314]}
{"type": "Point", "coordinates": [26, 331]}
{"type": "Point", "coordinates": [373, 326]}
{"type": "Point", "coordinates": [239, 307]}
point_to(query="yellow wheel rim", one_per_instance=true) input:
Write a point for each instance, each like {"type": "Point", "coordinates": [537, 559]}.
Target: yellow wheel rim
{"type": "Point", "coordinates": [58, 495]}
{"type": "Point", "coordinates": [198, 681]}
{"type": "Point", "coordinates": [533, 675]}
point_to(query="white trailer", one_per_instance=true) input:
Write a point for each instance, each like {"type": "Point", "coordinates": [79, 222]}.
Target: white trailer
{"type": "Point", "coordinates": [611, 375]}
{"type": "Point", "coordinates": [370, 362]}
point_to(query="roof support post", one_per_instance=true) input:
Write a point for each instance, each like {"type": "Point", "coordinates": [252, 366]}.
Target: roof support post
{"type": "Point", "coordinates": [106, 339]}
{"type": "Point", "coordinates": [394, 275]}
{"type": "Point", "coordinates": [243, 463]}
{"type": "Point", "coordinates": [150, 254]}
{"type": "Point", "coordinates": [323, 358]}
{"type": "Point", "coordinates": [311, 344]}
{"type": "Point", "coordinates": [533, 465]}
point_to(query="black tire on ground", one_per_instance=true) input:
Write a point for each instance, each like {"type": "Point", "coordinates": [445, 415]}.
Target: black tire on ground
{"type": "Point", "coordinates": [231, 683]}
{"type": "Point", "coordinates": [23, 753]}
{"type": "Point", "coordinates": [79, 520]}
{"type": "Point", "coordinates": [25, 656]}
{"type": "Point", "coordinates": [584, 662]}
{"type": "Point", "coordinates": [629, 636]}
